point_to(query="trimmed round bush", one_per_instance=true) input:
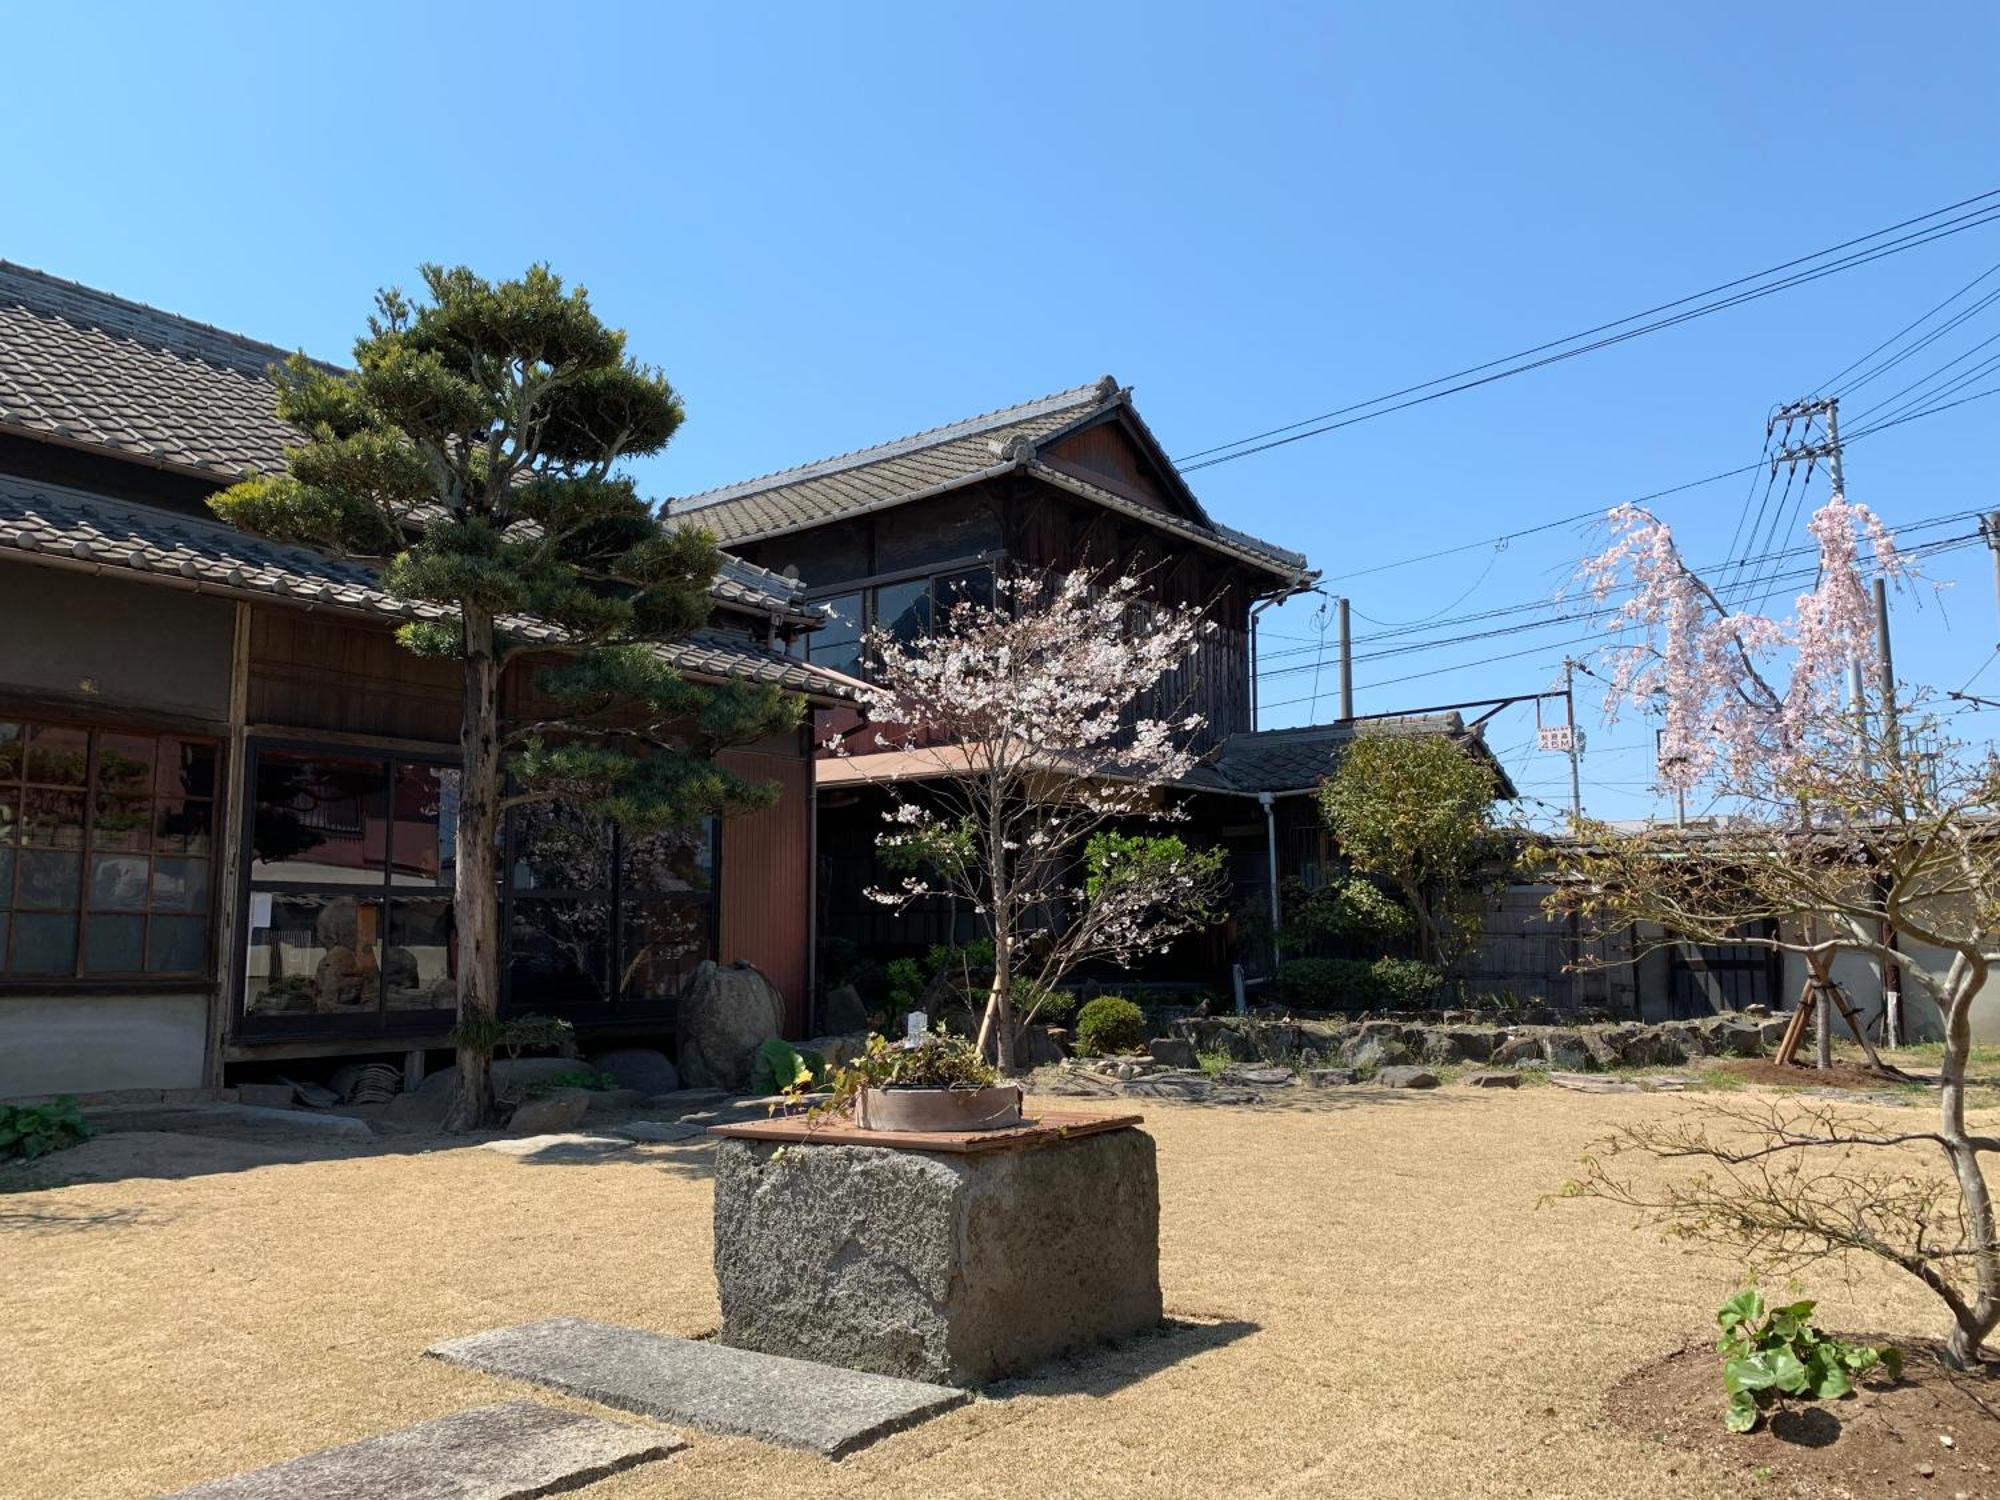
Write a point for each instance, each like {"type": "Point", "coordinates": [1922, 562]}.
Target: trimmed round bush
{"type": "Point", "coordinates": [1406, 983]}
{"type": "Point", "coordinates": [1110, 1023]}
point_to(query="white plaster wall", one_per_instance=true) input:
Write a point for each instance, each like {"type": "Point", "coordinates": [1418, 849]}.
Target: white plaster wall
{"type": "Point", "coordinates": [92, 1044]}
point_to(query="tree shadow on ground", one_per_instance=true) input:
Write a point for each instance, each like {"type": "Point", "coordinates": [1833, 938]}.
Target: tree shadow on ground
{"type": "Point", "coordinates": [61, 1221]}
{"type": "Point", "coordinates": [1107, 1368]}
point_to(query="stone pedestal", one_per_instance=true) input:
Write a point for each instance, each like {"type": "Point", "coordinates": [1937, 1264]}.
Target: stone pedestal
{"type": "Point", "coordinates": [951, 1266]}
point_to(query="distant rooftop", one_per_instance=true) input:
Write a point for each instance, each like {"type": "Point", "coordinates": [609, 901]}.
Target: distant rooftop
{"type": "Point", "coordinates": [1290, 760]}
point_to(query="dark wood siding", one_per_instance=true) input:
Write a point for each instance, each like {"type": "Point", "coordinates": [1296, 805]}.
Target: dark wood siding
{"type": "Point", "coordinates": [767, 879]}
{"type": "Point", "coordinates": [310, 671]}
{"type": "Point", "coordinates": [1105, 456]}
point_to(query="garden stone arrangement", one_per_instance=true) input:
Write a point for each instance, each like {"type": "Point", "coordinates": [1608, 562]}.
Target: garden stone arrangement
{"type": "Point", "coordinates": [1396, 1052]}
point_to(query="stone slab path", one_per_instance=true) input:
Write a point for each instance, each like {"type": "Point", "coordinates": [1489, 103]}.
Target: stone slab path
{"type": "Point", "coordinates": [514, 1451]}
{"type": "Point", "coordinates": [705, 1385]}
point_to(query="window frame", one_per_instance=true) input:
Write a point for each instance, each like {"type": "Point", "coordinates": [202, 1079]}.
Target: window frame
{"type": "Point", "coordinates": [869, 590]}
{"type": "Point", "coordinates": [78, 979]}
{"type": "Point", "coordinates": [381, 1020]}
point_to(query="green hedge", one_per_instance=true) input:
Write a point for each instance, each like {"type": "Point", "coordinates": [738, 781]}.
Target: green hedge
{"type": "Point", "coordinates": [1351, 984]}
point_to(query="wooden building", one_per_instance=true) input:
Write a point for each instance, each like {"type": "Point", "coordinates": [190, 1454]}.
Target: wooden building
{"type": "Point", "coordinates": [884, 536]}
{"type": "Point", "coordinates": [226, 792]}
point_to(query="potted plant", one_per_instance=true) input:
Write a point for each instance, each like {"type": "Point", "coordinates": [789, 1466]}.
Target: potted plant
{"type": "Point", "coordinates": [933, 1082]}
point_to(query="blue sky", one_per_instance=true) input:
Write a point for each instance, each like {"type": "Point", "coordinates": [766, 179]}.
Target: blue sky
{"type": "Point", "coordinates": [835, 225]}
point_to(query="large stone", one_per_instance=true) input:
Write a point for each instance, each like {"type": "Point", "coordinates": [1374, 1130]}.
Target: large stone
{"type": "Point", "coordinates": [1567, 1049]}
{"type": "Point", "coordinates": [1517, 1050]}
{"type": "Point", "coordinates": [703, 1384]}
{"type": "Point", "coordinates": [514, 1451]}
{"type": "Point", "coordinates": [1738, 1038]}
{"type": "Point", "coordinates": [1173, 1051]}
{"type": "Point", "coordinates": [512, 1076]}
{"type": "Point", "coordinates": [641, 1068]}
{"type": "Point", "coordinates": [1370, 1052]}
{"type": "Point", "coordinates": [1651, 1047]}
{"type": "Point", "coordinates": [1493, 1080]}
{"type": "Point", "coordinates": [549, 1114]}
{"type": "Point", "coordinates": [844, 1013]}
{"type": "Point", "coordinates": [726, 1013]}
{"type": "Point", "coordinates": [957, 1268]}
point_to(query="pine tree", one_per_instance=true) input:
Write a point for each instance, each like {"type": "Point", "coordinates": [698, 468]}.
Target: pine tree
{"type": "Point", "coordinates": [473, 454]}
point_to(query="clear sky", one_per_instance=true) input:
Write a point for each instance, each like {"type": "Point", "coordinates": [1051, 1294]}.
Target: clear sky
{"type": "Point", "coordinates": [833, 225]}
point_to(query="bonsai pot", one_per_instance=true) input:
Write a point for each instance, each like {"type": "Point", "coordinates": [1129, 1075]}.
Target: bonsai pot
{"type": "Point", "coordinates": [931, 1109]}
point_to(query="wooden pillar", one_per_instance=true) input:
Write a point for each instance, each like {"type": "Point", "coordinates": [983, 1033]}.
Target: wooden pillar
{"type": "Point", "coordinates": [231, 935]}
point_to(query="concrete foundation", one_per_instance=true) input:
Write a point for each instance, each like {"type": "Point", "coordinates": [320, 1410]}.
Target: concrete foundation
{"type": "Point", "coordinates": [954, 1268]}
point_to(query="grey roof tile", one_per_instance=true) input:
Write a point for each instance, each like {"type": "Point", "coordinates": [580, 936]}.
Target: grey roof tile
{"type": "Point", "coordinates": [944, 458]}
{"type": "Point", "coordinates": [55, 525]}
{"type": "Point", "coordinates": [1288, 760]}
{"type": "Point", "coordinates": [103, 372]}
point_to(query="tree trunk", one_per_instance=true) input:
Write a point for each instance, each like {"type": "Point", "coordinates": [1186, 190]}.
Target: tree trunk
{"type": "Point", "coordinates": [996, 1025]}
{"type": "Point", "coordinates": [476, 892]}
{"type": "Point", "coordinates": [1977, 1318]}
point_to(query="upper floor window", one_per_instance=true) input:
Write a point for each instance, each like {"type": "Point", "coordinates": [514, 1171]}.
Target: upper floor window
{"type": "Point", "coordinates": [907, 609]}
{"type": "Point", "coordinates": [106, 852]}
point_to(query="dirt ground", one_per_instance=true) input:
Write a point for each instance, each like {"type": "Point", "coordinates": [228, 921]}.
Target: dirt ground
{"type": "Point", "coordinates": [1375, 1300]}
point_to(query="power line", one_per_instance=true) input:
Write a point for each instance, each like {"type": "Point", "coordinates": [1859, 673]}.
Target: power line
{"type": "Point", "coordinates": [1834, 384]}
{"type": "Point", "coordinates": [1487, 373]}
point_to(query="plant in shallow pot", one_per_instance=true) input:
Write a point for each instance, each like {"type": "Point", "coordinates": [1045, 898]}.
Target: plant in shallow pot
{"type": "Point", "coordinates": [933, 1082]}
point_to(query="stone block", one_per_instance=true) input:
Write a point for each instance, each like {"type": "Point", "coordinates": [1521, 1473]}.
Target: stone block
{"type": "Point", "coordinates": [1331, 1078]}
{"type": "Point", "coordinates": [726, 1013]}
{"type": "Point", "coordinates": [704, 1385]}
{"type": "Point", "coordinates": [265, 1095]}
{"type": "Point", "coordinates": [514, 1451]}
{"type": "Point", "coordinates": [1493, 1080]}
{"type": "Point", "coordinates": [1568, 1050]}
{"type": "Point", "coordinates": [609, 1101]}
{"type": "Point", "coordinates": [1173, 1052]}
{"type": "Point", "coordinates": [954, 1268]}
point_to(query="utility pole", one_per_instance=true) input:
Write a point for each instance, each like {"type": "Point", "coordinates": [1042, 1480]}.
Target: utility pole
{"type": "Point", "coordinates": [1991, 526]}
{"type": "Point", "coordinates": [1575, 758]}
{"type": "Point", "coordinates": [1809, 453]}
{"type": "Point", "coordinates": [1346, 661]}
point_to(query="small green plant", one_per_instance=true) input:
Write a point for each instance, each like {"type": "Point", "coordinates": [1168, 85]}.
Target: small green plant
{"type": "Point", "coordinates": [1406, 983]}
{"type": "Point", "coordinates": [1110, 1023]}
{"type": "Point", "coordinates": [1768, 1355]}
{"type": "Point", "coordinates": [781, 1068]}
{"type": "Point", "coordinates": [1212, 1063]}
{"type": "Point", "coordinates": [487, 1034]}
{"type": "Point", "coordinates": [31, 1130]}
{"type": "Point", "coordinates": [939, 1061]}
{"type": "Point", "coordinates": [1045, 1007]}
{"type": "Point", "coordinates": [905, 978]}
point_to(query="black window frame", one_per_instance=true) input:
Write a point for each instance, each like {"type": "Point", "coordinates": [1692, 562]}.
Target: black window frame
{"type": "Point", "coordinates": [869, 592]}
{"type": "Point", "coordinates": [382, 1020]}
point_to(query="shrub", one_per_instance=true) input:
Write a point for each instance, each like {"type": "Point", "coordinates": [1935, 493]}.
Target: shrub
{"type": "Point", "coordinates": [906, 983]}
{"type": "Point", "coordinates": [1110, 1023]}
{"type": "Point", "coordinates": [31, 1130]}
{"type": "Point", "coordinates": [1769, 1356]}
{"type": "Point", "coordinates": [1406, 983]}
{"type": "Point", "coordinates": [1328, 984]}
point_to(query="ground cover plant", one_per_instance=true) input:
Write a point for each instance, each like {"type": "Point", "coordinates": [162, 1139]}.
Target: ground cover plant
{"type": "Point", "coordinates": [1770, 1354]}
{"type": "Point", "coordinates": [31, 1130]}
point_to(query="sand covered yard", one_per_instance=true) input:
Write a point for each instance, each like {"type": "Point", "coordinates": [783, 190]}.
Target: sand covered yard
{"type": "Point", "coordinates": [1373, 1300]}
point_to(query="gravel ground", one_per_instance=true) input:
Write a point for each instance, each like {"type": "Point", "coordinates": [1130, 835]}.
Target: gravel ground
{"type": "Point", "coordinates": [1373, 1301]}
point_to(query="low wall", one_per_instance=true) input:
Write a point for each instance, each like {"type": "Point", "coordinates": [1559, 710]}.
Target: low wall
{"type": "Point", "coordinates": [99, 1044]}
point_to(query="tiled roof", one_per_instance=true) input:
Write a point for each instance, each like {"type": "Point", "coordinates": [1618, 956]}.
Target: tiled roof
{"type": "Point", "coordinates": [87, 369]}
{"type": "Point", "coordinates": [82, 367]}
{"type": "Point", "coordinates": [1287, 760]}
{"type": "Point", "coordinates": [946, 458]}
{"type": "Point", "coordinates": [62, 527]}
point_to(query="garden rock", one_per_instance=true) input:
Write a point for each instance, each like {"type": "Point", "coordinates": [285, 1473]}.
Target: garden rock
{"type": "Point", "coordinates": [512, 1076]}
{"type": "Point", "coordinates": [550, 1114]}
{"type": "Point", "coordinates": [1568, 1050]}
{"type": "Point", "coordinates": [607, 1101]}
{"type": "Point", "coordinates": [1172, 1051]}
{"type": "Point", "coordinates": [640, 1068]}
{"type": "Point", "coordinates": [1372, 1052]}
{"type": "Point", "coordinates": [1493, 1080]}
{"type": "Point", "coordinates": [1517, 1050]}
{"type": "Point", "coordinates": [727, 1012]}
{"type": "Point", "coordinates": [1330, 1078]}
{"type": "Point", "coordinates": [1651, 1047]}
{"type": "Point", "coordinates": [1263, 1078]}
{"type": "Point", "coordinates": [1739, 1038]}
{"type": "Point", "coordinates": [844, 1013]}
{"type": "Point", "coordinates": [1406, 1078]}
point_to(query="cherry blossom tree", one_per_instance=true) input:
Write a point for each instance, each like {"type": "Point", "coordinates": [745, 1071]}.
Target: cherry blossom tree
{"type": "Point", "coordinates": [1838, 839]}
{"type": "Point", "coordinates": [1029, 742]}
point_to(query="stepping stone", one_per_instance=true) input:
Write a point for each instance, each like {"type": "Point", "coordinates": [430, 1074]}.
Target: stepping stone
{"type": "Point", "coordinates": [568, 1147]}
{"type": "Point", "coordinates": [658, 1132]}
{"type": "Point", "coordinates": [513, 1451]}
{"type": "Point", "coordinates": [1493, 1080]}
{"type": "Point", "coordinates": [706, 1385]}
{"type": "Point", "coordinates": [1586, 1083]}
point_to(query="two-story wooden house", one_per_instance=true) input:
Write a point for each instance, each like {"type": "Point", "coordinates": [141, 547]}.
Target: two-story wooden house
{"type": "Point", "coordinates": [884, 535]}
